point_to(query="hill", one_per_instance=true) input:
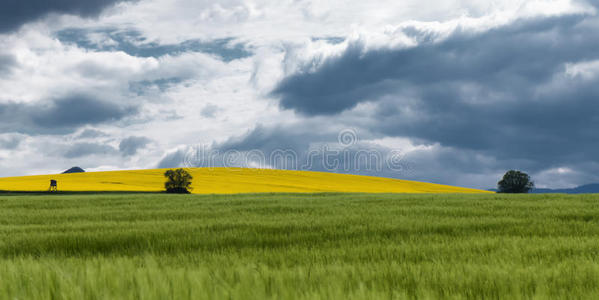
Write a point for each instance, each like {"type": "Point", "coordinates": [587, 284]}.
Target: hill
{"type": "Point", "coordinates": [74, 170]}
{"type": "Point", "coordinates": [228, 181]}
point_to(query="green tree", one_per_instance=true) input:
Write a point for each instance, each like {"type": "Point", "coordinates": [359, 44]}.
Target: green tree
{"type": "Point", "coordinates": [515, 182]}
{"type": "Point", "coordinates": [178, 181]}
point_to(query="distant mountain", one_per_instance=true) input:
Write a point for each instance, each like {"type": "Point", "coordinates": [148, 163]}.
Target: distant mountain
{"type": "Point", "coordinates": [74, 170]}
{"type": "Point", "coordinates": [592, 188]}
{"type": "Point", "coordinates": [583, 189]}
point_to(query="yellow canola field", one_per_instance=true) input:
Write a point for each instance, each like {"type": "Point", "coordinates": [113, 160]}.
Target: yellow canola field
{"type": "Point", "coordinates": [228, 181]}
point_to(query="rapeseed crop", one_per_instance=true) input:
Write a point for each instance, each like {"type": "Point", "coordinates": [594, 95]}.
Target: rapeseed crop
{"type": "Point", "coordinates": [228, 181]}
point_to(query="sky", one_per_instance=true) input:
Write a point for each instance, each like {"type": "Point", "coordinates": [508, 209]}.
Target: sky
{"type": "Point", "coordinates": [452, 92]}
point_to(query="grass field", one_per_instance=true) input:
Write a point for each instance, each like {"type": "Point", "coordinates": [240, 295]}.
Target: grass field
{"type": "Point", "coordinates": [228, 181]}
{"type": "Point", "coordinates": [299, 246]}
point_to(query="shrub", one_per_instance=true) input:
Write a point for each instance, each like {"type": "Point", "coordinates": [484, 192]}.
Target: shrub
{"type": "Point", "coordinates": [178, 181]}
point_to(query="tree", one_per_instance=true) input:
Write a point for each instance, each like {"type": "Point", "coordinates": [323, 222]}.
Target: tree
{"type": "Point", "coordinates": [178, 181]}
{"type": "Point", "coordinates": [515, 182]}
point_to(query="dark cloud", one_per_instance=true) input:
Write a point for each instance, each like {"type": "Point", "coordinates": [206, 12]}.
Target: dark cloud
{"type": "Point", "coordinates": [15, 13]}
{"type": "Point", "coordinates": [550, 129]}
{"type": "Point", "coordinates": [134, 43]}
{"type": "Point", "coordinates": [510, 58]}
{"type": "Point", "coordinates": [502, 94]}
{"type": "Point", "coordinates": [85, 149]}
{"type": "Point", "coordinates": [129, 146]}
{"type": "Point", "coordinates": [63, 115]}
{"type": "Point", "coordinates": [79, 110]}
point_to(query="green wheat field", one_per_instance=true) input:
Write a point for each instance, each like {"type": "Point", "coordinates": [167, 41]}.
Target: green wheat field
{"type": "Point", "coordinates": [298, 246]}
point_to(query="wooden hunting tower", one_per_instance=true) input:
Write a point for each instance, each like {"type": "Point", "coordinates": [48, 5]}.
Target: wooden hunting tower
{"type": "Point", "coordinates": [53, 186]}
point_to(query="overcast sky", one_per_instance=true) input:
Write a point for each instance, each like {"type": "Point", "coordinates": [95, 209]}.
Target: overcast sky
{"type": "Point", "coordinates": [452, 92]}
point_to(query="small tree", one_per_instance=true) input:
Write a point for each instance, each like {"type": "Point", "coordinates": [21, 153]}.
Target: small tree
{"type": "Point", "coordinates": [515, 182]}
{"type": "Point", "coordinates": [178, 181]}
